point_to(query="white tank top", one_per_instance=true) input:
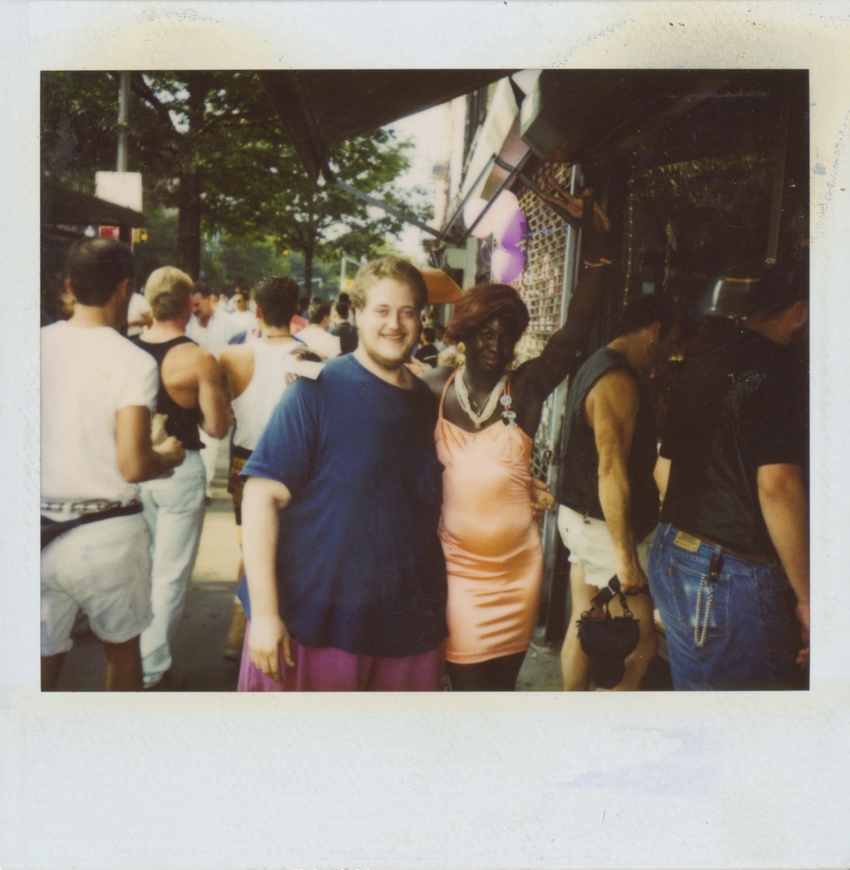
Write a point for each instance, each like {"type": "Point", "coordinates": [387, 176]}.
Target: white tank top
{"type": "Point", "coordinates": [254, 407]}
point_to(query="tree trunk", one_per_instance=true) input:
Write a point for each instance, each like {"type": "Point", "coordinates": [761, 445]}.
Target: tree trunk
{"type": "Point", "coordinates": [189, 192]}
{"type": "Point", "coordinates": [308, 271]}
{"type": "Point", "coordinates": [189, 226]}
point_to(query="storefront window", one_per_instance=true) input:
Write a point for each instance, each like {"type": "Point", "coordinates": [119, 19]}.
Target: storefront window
{"type": "Point", "coordinates": [688, 222]}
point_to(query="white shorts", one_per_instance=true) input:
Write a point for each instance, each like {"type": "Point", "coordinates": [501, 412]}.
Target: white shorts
{"type": "Point", "coordinates": [590, 546]}
{"type": "Point", "coordinates": [103, 568]}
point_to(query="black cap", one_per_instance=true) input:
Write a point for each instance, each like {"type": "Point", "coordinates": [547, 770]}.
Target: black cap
{"type": "Point", "coordinates": [782, 284]}
{"type": "Point", "coordinates": [754, 287]}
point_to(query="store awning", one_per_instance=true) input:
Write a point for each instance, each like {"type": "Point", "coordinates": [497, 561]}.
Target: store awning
{"type": "Point", "coordinates": [320, 107]}
{"type": "Point", "coordinates": [70, 207]}
{"type": "Point", "coordinates": [582, 116]}
{"type": "Point", "coordinates": [441, 287]}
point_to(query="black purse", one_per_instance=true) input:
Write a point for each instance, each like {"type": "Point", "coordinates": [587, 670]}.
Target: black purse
{"type": "Point", "coordinates": [607, 640]}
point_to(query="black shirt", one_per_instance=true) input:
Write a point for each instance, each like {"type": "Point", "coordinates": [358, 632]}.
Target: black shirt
{"type": "Point", "coordinates": [427, 354]}
{"type": "Point", "coordinates": [180, 422]}
{"type": "Point", "coordinates": [736, 408]}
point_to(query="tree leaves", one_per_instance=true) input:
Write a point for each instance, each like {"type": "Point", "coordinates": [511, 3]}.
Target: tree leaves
{"type": "Point", "coordinates": [214, 131]}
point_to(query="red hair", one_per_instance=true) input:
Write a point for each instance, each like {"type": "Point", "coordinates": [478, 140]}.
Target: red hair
{"type": "Point", "coordinates": [483, 302]}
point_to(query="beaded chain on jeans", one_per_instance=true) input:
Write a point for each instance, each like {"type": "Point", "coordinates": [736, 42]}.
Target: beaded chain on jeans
{"type": "Point", "coordinates": [712, 575]}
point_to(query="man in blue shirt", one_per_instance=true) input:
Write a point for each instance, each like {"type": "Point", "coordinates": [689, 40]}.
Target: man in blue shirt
{"type": "Point", "coordinates": [346, 584]}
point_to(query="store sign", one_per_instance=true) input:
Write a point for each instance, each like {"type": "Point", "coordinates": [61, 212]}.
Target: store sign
{"type": "Point", "coordinates": [121, 188]}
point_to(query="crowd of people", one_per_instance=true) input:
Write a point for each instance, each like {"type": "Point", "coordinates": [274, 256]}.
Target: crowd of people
{"type": "Point", "coordinates": [380, 475]}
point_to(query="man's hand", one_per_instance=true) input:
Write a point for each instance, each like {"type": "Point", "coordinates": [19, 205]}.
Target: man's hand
{"type": "Point", "coordinates": [171, 450]}
{"type": "Point", "coordinates": [541, 499]}
{"type": "Point", "coordinates": [574, 205]}
{"type": "Point", "coordinates": [417, 368]}
{"type": "Point", "coordinates": [803, 619]}
{"type": "Point", "coordinates": [269, 637]}
{"type": "Point", "coordinates": [633, 581]}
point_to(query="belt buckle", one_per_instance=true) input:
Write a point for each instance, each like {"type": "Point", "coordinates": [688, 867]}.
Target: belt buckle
{"type": "Point", "coordinates": [92, 506]}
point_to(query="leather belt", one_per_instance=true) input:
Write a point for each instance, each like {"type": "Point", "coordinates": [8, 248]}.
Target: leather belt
{"type": "Point", "coordinates": [748, 557]}
{"type": "Point", "coordinates": [91, 506]}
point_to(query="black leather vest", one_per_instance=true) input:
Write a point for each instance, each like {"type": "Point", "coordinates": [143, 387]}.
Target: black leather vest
{"type": "Point", "coordinates": [578, 479]}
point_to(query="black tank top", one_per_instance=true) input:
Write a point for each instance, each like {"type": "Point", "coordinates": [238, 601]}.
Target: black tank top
{"type": "Point", "coordinates": [181, 422]}
{"type": "Point", "coordinates": [578, 480]}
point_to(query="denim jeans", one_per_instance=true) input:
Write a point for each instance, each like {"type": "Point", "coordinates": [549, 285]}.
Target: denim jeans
{"type": "Point", "coordinates": [738, 632]}
{"type": "Point", "coordinates": [174, 512]}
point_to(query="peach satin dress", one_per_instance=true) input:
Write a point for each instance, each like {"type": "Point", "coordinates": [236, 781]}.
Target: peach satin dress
{"type": "Point", "coordinates": [490, 539]}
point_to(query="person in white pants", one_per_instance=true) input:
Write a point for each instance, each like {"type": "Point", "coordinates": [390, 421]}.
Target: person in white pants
{"type": "Point", "coordinates": [191, 395]}
{"type": "Point", "coordinates": [97, 395]}
{"type": "Point", "coordinates": [212, 327]}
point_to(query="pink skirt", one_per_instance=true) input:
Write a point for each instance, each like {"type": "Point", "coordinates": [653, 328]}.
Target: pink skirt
{"type": "Point", "coordinates": [332, 670]}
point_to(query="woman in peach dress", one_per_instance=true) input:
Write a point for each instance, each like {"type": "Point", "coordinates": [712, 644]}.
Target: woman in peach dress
{"type": "Point", "coordinates": [485, 431]}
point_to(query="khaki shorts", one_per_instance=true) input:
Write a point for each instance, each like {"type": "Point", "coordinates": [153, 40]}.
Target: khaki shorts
{"type": "Point", "coordinates": [236, 485]}
{"type": "Point", "coordinates": [590, 546]}
{"type": "Point", "coordinates": [104, 569]}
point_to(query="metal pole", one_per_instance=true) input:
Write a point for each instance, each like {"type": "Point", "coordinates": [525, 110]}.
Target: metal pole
{"type": "Point", "coordinates": [779, 158]}
{"type": "Point", "coordinates": [451, 222]}
{"type": "Point", "coordinates": [558, 399]}
{"type": "Point", "coordinates": [123, 109]}
{"type": "Point", "coordinates": [387, 208]}
{"type": "Point", "coordinates": [514, 171]}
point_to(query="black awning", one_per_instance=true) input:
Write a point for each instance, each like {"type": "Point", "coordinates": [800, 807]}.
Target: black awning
{"type": "Point", "coordinates": [320, 107]}
{"type": "Point", "coordinates": [62, 206]}
{"type": "Point", "coordinates": [585, 116]}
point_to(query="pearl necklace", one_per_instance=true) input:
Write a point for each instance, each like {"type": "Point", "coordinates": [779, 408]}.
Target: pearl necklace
{"type": "Point", "coordinates": [462, 392]}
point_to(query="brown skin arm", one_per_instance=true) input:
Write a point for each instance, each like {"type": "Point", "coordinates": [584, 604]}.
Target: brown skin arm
{"type": "Point", "coordinates": [261, 502]}
{"type": "Point", "coordinates": [611, 410]}
{"type": "Point", "coordinates": [785, 508]}
{"type": "Point", "coordinates": [537, 378]}
{"type": "Point", "coordinates": [137, 459]}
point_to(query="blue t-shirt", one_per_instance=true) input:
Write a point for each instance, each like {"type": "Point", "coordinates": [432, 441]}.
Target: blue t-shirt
{"type": "Point", "coordinates": [359, 563]}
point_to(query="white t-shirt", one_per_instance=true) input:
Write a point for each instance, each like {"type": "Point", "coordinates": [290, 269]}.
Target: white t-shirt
{"type": "Point", "coordinates": [244, 321]}
{"type": "Point", "coordinates": [254, 406]}
{"type": "Point", "coordinates": [87, 375]}
{"type": "Point", "coordinates": [320, 341]}
{"type": "Point", "coordinates": [216, 334]}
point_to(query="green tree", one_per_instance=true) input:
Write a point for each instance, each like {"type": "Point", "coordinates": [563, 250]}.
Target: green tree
{"type": "Point", "coordinates": [79, 126]}
{"type": "Point", "coordinates": [206, 123]}
{"type": "Point", "coordinates": [209, 145]}
{"type": "Point", "coordinates": [323, 221]}
{"type": "Point", "coordinates": [190, 135]}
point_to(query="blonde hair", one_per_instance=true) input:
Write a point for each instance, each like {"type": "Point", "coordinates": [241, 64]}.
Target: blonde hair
{"type": "Point", "coordinates": [167, 290]}
{"type": "Point", "coordinates": [388, 267]}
